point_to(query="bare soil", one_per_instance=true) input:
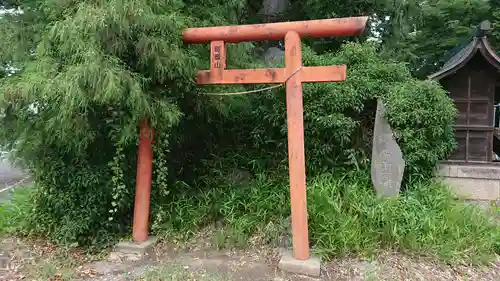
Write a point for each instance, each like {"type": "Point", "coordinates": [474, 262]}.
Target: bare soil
{"type": "Point", "coordinates": [37, 260]}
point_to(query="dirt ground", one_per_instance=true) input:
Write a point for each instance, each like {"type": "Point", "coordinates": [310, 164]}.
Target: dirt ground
{"type": "Point", "coordinates": [36, 260]}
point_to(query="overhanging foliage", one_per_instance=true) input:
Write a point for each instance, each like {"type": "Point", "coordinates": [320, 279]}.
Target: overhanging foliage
{"type": "Point", "coordinates": [91, 70]}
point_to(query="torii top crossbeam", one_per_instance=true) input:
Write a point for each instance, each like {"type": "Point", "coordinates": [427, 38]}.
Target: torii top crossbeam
{"type": "Point", "coordinates": [276, 31]}
{"type": "Point", "coordinates": [220, 35]}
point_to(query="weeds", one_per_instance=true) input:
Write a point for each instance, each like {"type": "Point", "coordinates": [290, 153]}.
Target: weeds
{"type": "Point", "coordinates": [237, 212]}
{"type": "Point", "coordinates": [176, 273]}
{"type": "Point", "coordinates": [13, 213]}
{"type": "Point", "coordinates": [49, 271]}
{"type": "Point", "coordinates": [345, 217]}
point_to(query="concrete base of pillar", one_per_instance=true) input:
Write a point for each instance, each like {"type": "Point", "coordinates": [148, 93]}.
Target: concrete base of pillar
{"type": "Point", "coordinates": [310, 267]}
{"type": "Point", "coordinates": [131, 247]}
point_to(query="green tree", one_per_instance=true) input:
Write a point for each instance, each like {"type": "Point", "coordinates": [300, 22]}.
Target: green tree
{"type": "Point", "coordinates": [436, 31]}
{"type": "Point", "coordinates": [89, 71]}
{"type": "Point", "coordinates": [495, 20]}
{"type": "Point", "coordinates": [422, 33]}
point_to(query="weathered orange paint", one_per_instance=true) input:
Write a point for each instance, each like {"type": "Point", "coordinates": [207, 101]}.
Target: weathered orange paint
{"type": "Point", "coordinates": [335, 73]}
{"type": "Point", "coordinates": [276, 31]}
{"type": "Point", "coordinates": [143, 183]}
{"type": "Point", "coordinates": [296, 157]}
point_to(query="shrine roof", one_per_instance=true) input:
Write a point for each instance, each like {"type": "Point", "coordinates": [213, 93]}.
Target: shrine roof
{"type": "Point", "coordinates": [478, 43]}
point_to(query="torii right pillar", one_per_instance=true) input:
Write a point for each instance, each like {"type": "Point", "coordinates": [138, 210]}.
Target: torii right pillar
{"type": "Point", "coordinates": [294, 74]}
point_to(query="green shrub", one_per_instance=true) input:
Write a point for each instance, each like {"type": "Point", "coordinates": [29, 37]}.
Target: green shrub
{"type": "Point", "coordinates": [422, 117]}
{"type": "Point", "coordinates": [338, 117]}
{"type": "Point", "coordinates": [73, 108]}
{"type": "Point", "coordinates": [75, 205]}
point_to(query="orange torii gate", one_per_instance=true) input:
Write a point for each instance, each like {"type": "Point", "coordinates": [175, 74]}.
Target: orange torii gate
{"type": "Point", "coordinates": [293, 75]}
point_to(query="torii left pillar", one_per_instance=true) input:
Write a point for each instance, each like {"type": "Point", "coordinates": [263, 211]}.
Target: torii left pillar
{"type": "Point", "coordinates": [141, 240]}
{"type": "Point", "coordinates": [294, 74]}
{"type": "Point", "coordinates": [143, 183]}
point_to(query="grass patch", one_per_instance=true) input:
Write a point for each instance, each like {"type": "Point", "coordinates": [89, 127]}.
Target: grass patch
{"type": "Point", "coordinates": [48, 271]}
{"type": "Point", "coordinates": [13, 212]}
{"type": "Point", "coordinates": [345, 217]}
{"type": "Point", "coordinates": [176, 273]}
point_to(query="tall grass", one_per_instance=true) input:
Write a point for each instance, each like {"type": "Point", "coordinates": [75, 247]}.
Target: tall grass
{"type": "Point", "coordinates": [345, 217]}
{"type": "Point", "coordinates": [240, 211]}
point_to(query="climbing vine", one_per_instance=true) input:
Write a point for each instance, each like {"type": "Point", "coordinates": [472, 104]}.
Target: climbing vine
{"type": "Point", "coordinates": [160, 186]}
{"type": "Point", "coordinates": [118, 183]}
{"type": "Point", "coordinates": [160, 165]}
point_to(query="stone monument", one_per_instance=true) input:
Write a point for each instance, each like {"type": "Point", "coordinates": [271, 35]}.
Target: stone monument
{"type": "Point", "coordinates": [273, 10]}
{"type": "Point", "coordinates": [388, 165]}
{"type": "Point", "coordinates": [274, 55]}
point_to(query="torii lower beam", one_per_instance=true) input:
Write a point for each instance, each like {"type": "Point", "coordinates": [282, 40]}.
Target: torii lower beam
{"type": "Point", "coordinates": [294, 74]}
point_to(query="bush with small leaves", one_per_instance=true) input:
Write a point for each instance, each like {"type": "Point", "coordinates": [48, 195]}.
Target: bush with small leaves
{"type": "Point", "coordinates": [338, 117]}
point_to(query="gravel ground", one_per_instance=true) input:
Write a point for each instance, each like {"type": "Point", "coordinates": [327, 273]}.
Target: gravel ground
{"type": "Point", "coordinates": [41, 261]}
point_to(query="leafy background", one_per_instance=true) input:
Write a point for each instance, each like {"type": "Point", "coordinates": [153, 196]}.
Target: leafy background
{"type": "Point", "coordinates": [86, 73]}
